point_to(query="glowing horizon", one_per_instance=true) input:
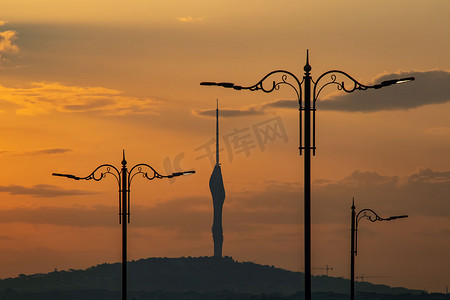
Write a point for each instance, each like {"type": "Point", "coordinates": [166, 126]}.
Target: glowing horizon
{"type": "Point", "coordinates": [79, 83]}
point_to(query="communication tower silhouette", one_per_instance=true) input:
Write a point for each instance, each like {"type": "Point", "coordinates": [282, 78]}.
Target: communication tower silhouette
{"type": "Point", "coordinates": [218, 196]}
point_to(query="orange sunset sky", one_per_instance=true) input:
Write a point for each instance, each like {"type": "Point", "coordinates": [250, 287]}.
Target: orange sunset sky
{"type": "Point", "coordinates": [82, 80]}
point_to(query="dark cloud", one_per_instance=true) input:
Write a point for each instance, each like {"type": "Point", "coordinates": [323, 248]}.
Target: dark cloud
{"type": "Point", "coordinates": [428, 176]}
{"type": "Point", "coordinates": [78, 216]}
{"type": "Point", "coordinates": [227, 113]}
{"type": "Point", "coordinates": [430, 87]}
{"type": "Point", "coordinates": [282, 104]}
{"type": "Point", "coordinates": [41, 190]}
{"type": "Point", "coordinates": [187, 216]}
{"type": "Point", "coordinates": [360, 179]}
{"type": "Point", "coordinates": [425, 192]}
{"type": "Point", "coordinates": [48, 151]}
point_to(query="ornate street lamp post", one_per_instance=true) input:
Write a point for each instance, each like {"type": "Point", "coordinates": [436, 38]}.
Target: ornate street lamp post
{"type": "Point", "coordinates": [307, 141]}
{"type": "Point", "coordinates": [124, 178]}
{"type": "Point", "coordinates": [356, 217]}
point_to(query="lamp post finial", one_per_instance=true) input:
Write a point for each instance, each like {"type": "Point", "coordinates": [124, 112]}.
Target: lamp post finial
{"type": "Point", "coordinates": [124, 162]}
{"type": "Point", "coordinates": [307, 67]}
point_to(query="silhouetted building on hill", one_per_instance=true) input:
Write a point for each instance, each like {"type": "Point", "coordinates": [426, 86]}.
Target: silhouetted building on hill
{"type": "Point", "coordinates": [218, 196]}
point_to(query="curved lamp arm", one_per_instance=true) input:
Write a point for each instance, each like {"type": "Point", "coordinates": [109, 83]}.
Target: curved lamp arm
{"type": "Point", "coordinates": [369, 215]}
{"type": "Point", "coordinates": [151, 173]}
{"type": "Point", "coordinates": [148, 174]}
{"type": "Point", "coordinates": [97, 175]}
{"type": "Point", "coordinates": [372, 216]}
{"type": "Point", "coordinates": [268, 88]}
{"type": "Point", "coordinates": [354, 85]}
{"type": "Point", "coordinates": [284, 79]}
{"type": "Point", "coordinates": [340, 85]}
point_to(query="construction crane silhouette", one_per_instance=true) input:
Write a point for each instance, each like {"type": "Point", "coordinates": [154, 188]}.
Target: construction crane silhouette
{"type": "Point", "coordinates": [325, 268]}
{"type": "Point", "coordinates": [362, 276]}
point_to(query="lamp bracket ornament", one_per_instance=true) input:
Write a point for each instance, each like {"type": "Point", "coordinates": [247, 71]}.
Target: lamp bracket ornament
{"type": "Point", "coordinates": [351, 86]}
{"type": "Point", "coordinates": [286, 78]}
{"type": "Point", "coordinates": [146, 171]}
{"type": "Point", "coordinates": [369, 215]}
{"type": "Point", "coordinates": [101, 172]}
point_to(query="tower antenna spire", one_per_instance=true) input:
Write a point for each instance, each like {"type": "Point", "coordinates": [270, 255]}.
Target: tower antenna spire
{"type": "Point", "coordinates": [218, 196]}
{"type": "Point", "coordinates": [217, 133]}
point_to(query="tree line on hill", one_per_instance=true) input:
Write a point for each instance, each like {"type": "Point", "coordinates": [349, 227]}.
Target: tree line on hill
{"type": "Point", "coordinates": [190, 278]}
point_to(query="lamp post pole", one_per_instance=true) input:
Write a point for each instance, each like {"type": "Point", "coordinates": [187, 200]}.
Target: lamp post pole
{"type": "Point", "coordinates": [352, 250]}
{"type": "Point", "coordinates": [124, 178]}
{"type": "Point", "coordinates": [307, 177]}
{"type": "Point", "coordinates": [356, 217]}
{"type": "Point", "coordinates": [124, 214]}
{"type": "Point", "coordinates": [307, 125]}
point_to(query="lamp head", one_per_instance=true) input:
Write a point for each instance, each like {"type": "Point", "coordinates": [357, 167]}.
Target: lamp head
{"type": "Point", "coordinates": [404, 80]}
{"type": "Point", "coordinates": [208, 83]}
{"type": "Point", "coordinates": [226, 84]}
{"type": "Point", "coordinates": [396, 81]}
{"type": "Point", "coordinates": [181, 173]}
{"type": "Point", "coordinates": [393, 81]}
{"type": "Point", "coordinates": [66, 175]}
{"type": "Point", "coordinates": [397, 217]}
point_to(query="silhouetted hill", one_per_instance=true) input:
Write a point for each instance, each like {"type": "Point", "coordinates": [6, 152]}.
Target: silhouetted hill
{"type": "Point", "coordinates": [180, 276]}
{"type": "Point", "coordinates": [224, 295]}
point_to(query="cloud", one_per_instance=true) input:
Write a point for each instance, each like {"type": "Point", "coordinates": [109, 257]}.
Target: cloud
{"type": "Point", "coordinates": [277, 206]}
{"type": "Point", "coordinates": [7, 45]}
{"type": "Point", "coordinates": [282, 104]}
{"type": "Point", "coordinates": [2, 22]}
{"type": "Point", "coordinates": [79, 216]}
{"type": "Point", "coordinates": [360, 179]}
{"type": "Point", "coordinates": [48, 151]}
{"type": "Point", "coordinates": [7, 39]}
{"type": "Point", "coordinates": [46, 97]}
{"type": "Point", "coordinates": [41, 190]}
{"type": "Point", "coordinates": [188, 216]}
{"type": "Point", "coordinates": [438, 131]}
{"type": "Point", "coordinates": [189, 19]}
{"type": "Point", "coordinates": [428, 176]}
{"type": "Point", "coordinates": [424, 192]}
{"type": "Point", "coordinates": [228, 113]}
{"type": "Point", "coordinates": [430, 87]}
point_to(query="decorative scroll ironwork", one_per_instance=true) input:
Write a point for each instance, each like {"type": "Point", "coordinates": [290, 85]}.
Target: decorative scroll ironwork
{"type": "Point", "coordinates": [296, 86]}
{"type": "Point", "coordinates": [102, 171]}
{"type": "Point", "coordinates": [369, 215]}
{"type": "Point", "coordinates": [355, 85]}
{"type": "Point", "coordinates": [98, 175]}
{"type": "Point", "coordinates": [150, 175]}
{"type": "Point", "coordinates": [276, 84]}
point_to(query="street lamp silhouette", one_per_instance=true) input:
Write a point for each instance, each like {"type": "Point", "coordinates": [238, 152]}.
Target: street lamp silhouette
{"type": "Point", "coordinates": [356, 217]}
{"type": "Point", "coordinates": [307, 106]}
{"type": "Point", "coordinates": [124, 178]}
